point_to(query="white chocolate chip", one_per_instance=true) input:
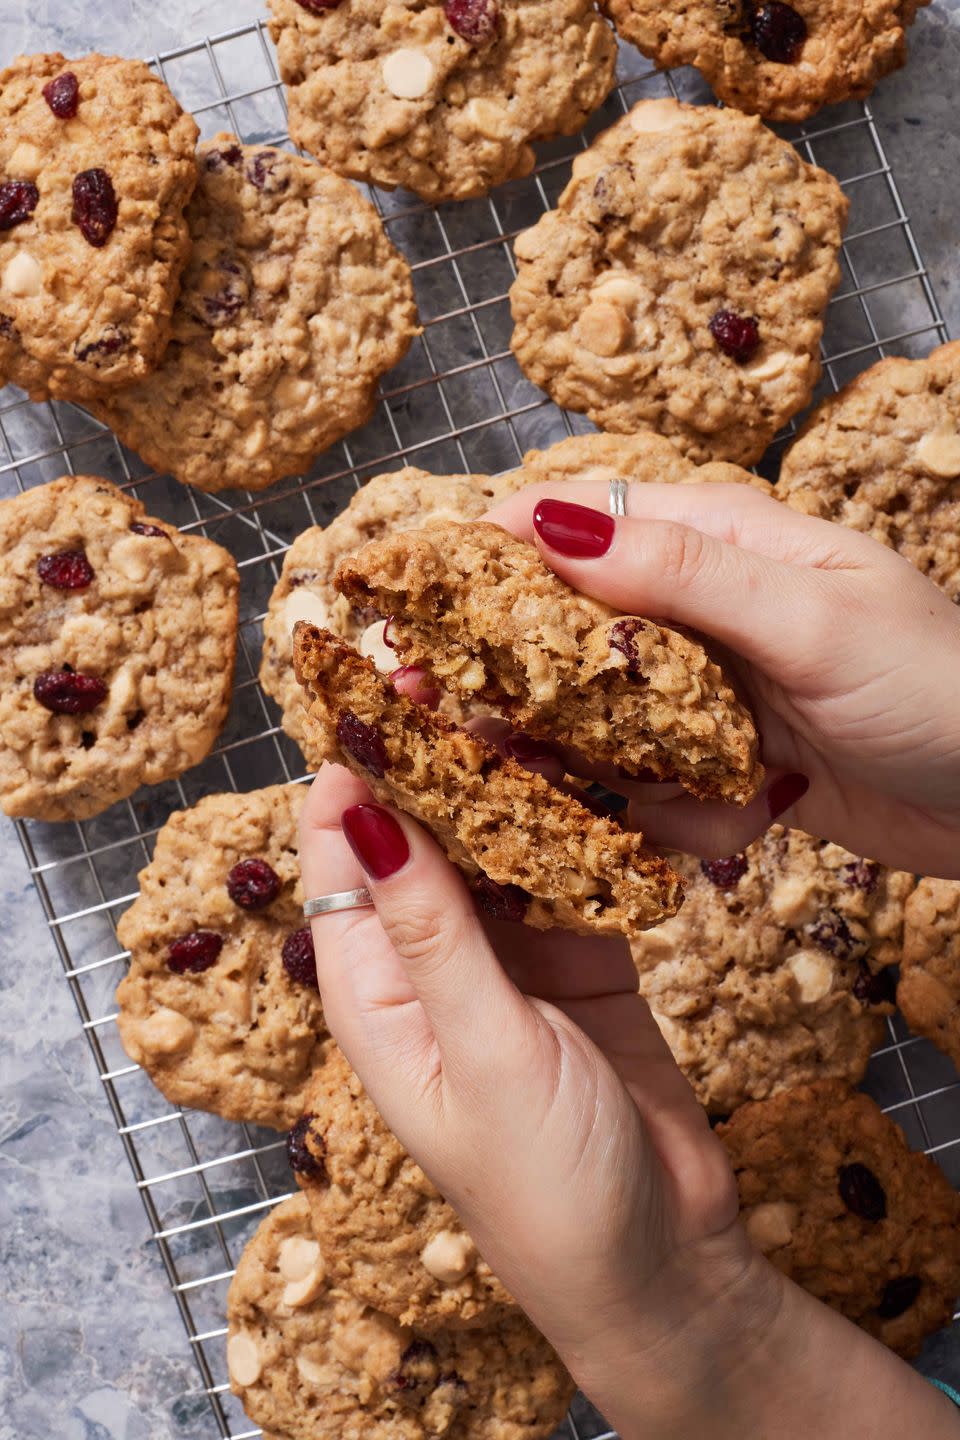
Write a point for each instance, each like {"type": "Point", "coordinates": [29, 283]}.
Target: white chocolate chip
{"type": "Point", "coordinates": [652, 115]}
{"type": "Point", "coordinates": [771, 1224]}
{"type": "Point", "coordinates": [243, 1359]}
{"type": "Point", "coordinates": [471, 675]}
{"type": "Point", "coordinates": [448, 1256]}
{"type": "Point", "coordinates": [26, 161]}
{"type": "Point", "coordinates": [813, 974]}
{"type": "Point", "coordinates": [375, 647]}
{"type": "Point", "coordinates": [770, 366]}
{"type": "Point", "coordinates": [323, 1376]}
{"type": "Point", "coordinates": [602, 328]}
{"type": "Point", "coordinates": [255, 441]}
{"type": "Point", "coordinates": [164, 1032]}
{"type": "Point", "coordinates": [486, 117]}
{"type": "Point", "coordinates": [297, 1257]}
{"type": "Point", "coordinates": [621, 290]}
{"type": "Point", "coordinates": [301, 1292]}
{"type": "Point", "coordinates": [303, 604]}
{"type": "Point", "coordinates": [133, 555]}
{"type": "Point", "coordinates": [408, 74]}
{"type": "Point", "coordinates": [23, 275]}
{"type": "Point", "coordinates": [939, 453]}
{"type": "Point", "coordinates": [793, 899]}
{"type": "Point", "coordinates": [293, 390]}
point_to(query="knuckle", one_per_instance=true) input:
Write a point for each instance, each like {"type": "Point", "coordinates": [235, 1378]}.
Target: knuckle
{"type": "Point", "coordinates": [421, 933]}
{"type": "Point", "coordinates": [681, 553]}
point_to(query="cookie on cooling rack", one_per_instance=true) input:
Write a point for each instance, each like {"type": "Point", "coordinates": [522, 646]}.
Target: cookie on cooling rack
{"type": "Point", "coordinates": [481, 610]}
{"type": "Point", "coordinates": [386, 1235]}
{"type": "Point", "coordinates": [294, 303]}
{"type": "Point", "coordinates": [883, 457]}
{"type": "Point", "coordinates": [680, 285]}
{"type": "Point", "coordinates": [309, 1361]}
{"type": "Point", "coordinates": [96, 166]}
{"type": "Point", "coordinates": [769, 58]}
{"type": "Point", "coordinates": [443, 99]}
{"type": "Point", "coordinates": [221, 1005]}
{"type": "Point", "coordinates": [831, 1194]}
{"type": "Point", "coordinates": [774, 972]}
{"type": "Point", "coordinates": [928, 993]}
{"type": "Point", "coordinates": [643, 458]}
{"type": "Point", "coordinates": [401, 500]}
{"type": "Point", "coordinates": [117, 642]}
{"type": "Point", "coordinates": [530, 851]}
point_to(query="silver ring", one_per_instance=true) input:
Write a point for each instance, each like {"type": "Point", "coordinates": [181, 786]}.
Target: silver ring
{"type": "Point", "coordinates": [341, 900]}
{"type": "Point", "coordinates": [618, 497]}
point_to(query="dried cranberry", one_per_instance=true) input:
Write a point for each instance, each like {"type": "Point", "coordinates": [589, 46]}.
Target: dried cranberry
{"type": "Point", "coordinates": [613, 190]}
{"type": "Point", "coordinates": [299, 958]}
{"type": "Point", "coordinates": [778, 31]}
{"type": "Point", "coordinates": [18, 200]}
{"type": "Point", "coordinates": [195, 952]}
{"type": "Point", "coordinates": [832, 933]}
{"type": "Point", "coordinates": [306, 1149]}
{"type": "Point", "coordinates": [419, 1365]}
{"type": "Point", "coordinates": [66, 570]}
{"type": "Point", "coordinates": [317, 7]}
{"type": "Point", "coordinates": [253, 884]}
{"type": "Point", "coordinates": [95, 206]}
{"type": "Point", "coordinates": [623, 637]}
{"type": "Point", "coordinates": [221, 295]}
{"type": "Point", "coordinates": [215, 160]}
{"type": "Point", "coordinates": [500, 902]}
{"type": "Point", "coordinates": [737, 335]}
{"type": "Point", "coordinates": [475, 21]}
{"type": "Point", "coordinates": [266, 173]}
{"type": "Point", "coordinates": [727, 873]}
{"type": "Point", "coordinates": [67, 692]}
{"type": "Point", "coordinates": [898, 1295]}
{"type": "Point", "coordinates": [875, 989]}
{"type": "Point", "coordinates": [63, 95]}
{"type": "Point", "coordinates": [110, 343]}
{"type": "Point", "coordinates": [362, 742]}
{"type": "Point", "coordinates": [8, 330]}
{"type": "Point", "coordinates": [861, 1192]}
{"type": "Point", "coordinates": [139, 528]}
{"type": "Point", "coordinates": [861, 874]}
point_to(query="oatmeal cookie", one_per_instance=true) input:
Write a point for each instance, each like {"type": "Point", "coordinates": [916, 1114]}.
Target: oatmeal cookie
{"type": "Point", "coordinates": [929, 990]}
{"type": "Point", "coordinates": [680, 284]}
{"type": "Point", "coordinates": [311, 1363]}
{"type": "Point", "coordinates": [779, 60]}
{"type": "Point", "coordinates": [386, 1235]}
{"type": "Point", "coordinates": [96, 166]}
{"type": "Point", "coordinates": [401, 500]}
{"type": "Point", "coordinates": [883, 457]}
{"type": "Point", "coordinates": [482, 611]}
{"type": "Point", "coordinates": [221, 1005]}
{"type": "Point", "coordinates": [117, 641]}
{"type": "Point", "coordinates": [293, 304]}
{"type": "Point", "coordinates": [831, 1194]}
{"type": "Point", "coordinates": [642, 458]}
{"type": "Point", "coordinates": [443, 99]}
{"type": "Point", "coordinates": [774, 972]}
{"type": "Point", "coordinates": [531, 852]}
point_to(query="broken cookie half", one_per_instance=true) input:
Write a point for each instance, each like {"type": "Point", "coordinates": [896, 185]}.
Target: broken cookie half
{"type": "Point", "coordinates": [530, 852]}
{"type": "Point", "coordinates": [480, 610]}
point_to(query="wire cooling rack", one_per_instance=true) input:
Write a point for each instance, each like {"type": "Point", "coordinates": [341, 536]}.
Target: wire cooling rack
{"type": "Point", "coordinates": [457, 403]}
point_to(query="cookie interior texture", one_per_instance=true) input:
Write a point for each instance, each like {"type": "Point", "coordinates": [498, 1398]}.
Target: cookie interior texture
{"type": "Point", "coordinates": [386, 1234]}
{"type": "Point", "coordinates": [144, 619]}
{"type": "Point", "coordinates": [307, 1360]}
{"type": "Point", "coordinates": [928, 993]}
{"type": "Point", "coordinates": [781, 66]}
{"type": "Point", "coordinates": [529, 850]}
{"type": "Point", "coordinates": [775, 972]}
{"type": "Point", "coordinates": [90, 279]}
{"type": "Point", "coordinates": [400, 95]}
{"type": "Point", "coordinates": [831, 1193]}
{"type": "Point", "coordinates": [883, 457]}
{"type": "Point", "coordinates": [222, 1023]}
{"type": "Point", "coordinates": [294, 302]}
{"type": "Point", "coordinates": [481, 610]}
{"type": "Point", "coordinates": [681, 282]}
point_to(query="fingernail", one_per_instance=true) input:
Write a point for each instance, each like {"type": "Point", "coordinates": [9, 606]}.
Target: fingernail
{"type": "Point", "coordinates": [376, 839]}
{"type": "Point", "coordinates": [528, 751]}
{"type": "Point", "coordinates": [786, 792]}
{"type": "Point", "coordinates": [573, 530]}
{"type": "Point", "coordinates": [417, 684]}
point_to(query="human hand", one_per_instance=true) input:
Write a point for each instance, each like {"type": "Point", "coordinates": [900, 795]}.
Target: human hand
{"type": "Point", "coordinates": [847, 655]}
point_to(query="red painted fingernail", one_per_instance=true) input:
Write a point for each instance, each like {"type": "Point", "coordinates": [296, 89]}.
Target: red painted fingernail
{"type": "Point", "coordinates": [417, 684]}
{"type": "Point", "coordinates": [573, 530]}
{"type": "Point", "coordinates": [376, 839]}
{"type": "Point", "coordinates": [786, 792]}
{"type": "Point", "coordinates": [528, 751]}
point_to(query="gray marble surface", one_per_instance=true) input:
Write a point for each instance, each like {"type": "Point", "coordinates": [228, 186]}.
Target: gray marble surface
{"type": "Point", "coordinates": [91, 1342]}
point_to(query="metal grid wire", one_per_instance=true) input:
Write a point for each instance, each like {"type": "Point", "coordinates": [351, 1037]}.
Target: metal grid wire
{"type": "Point", "coordinates": [457, 403]}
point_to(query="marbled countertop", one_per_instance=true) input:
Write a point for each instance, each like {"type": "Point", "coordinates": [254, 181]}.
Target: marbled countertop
{"type": "Point", "coordinates": [91, 1343]}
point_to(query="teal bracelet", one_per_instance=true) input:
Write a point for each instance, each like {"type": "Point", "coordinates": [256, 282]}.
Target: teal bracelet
{"type": "Point", "coordinates": [948, 1390]}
